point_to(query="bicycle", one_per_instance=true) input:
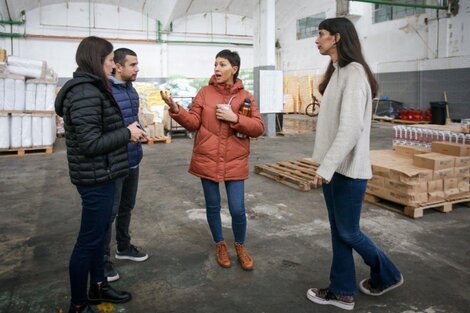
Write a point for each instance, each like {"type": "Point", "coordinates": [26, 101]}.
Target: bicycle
{"type": "Point", "coordinates": [313, 108]}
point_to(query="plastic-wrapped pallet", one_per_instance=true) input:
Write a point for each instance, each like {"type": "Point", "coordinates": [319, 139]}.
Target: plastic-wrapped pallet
{"type": "Point", "coordinates": [9, 94]}
{"type": "Point", "coordinates": [26, 132]}
{"type": "Point", "coordinates": [27, 67]}
{"type": "Point", "coordinates": [19, 94]}
{"type": "Point", "coordinates": [2, 93]}
{"type": "Point", "coordinates": [30, 101]}
{"type": "Point", "coordinates": [48, 130]}
{"type": "Point", "coordinates": [41, 97]}
{"type": "Point", "coordinates": [37, 131]}
{"type": "Point", "coordinates": [50, 96]}
{"type": "Point", "coordinates": [4, 131]}
{"type": "Point", "coordinates": [15, 130]}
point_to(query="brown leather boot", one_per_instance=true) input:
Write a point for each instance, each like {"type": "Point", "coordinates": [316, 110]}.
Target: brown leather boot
{"type": "Point", "coordinates": [244, 258]}
{"type": "Point", "coordinates": [222, 254]}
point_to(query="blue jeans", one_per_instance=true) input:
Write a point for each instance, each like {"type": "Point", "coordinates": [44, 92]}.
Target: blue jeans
{"type": "Point", "coordinates": [236, 205]}
{"type": "Point", "coordinates": [87, 255]}
{"type": "Point", "coordinates": [343, 197]}
{"type": "Point", "coordinates": [124, 202]}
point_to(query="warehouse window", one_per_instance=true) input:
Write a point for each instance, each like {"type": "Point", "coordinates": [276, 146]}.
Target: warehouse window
{"type": "Point", "coordinates": [384, 13]}
{"type": "Point", "coordinates": [308, 27]}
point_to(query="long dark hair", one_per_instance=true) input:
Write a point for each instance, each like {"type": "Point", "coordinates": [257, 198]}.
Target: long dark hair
{"type": "Point", "coordinates": [349, 50]}
{"type": "Point", "coordinates": [234, 59]}
{"type": "Point", "coordinates": [90, 56]}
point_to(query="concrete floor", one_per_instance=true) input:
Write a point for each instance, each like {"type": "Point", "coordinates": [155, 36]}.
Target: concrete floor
{"type": "Point", "coordinates": [288, 236]}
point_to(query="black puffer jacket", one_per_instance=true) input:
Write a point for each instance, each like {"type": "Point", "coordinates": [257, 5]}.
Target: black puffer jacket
{"type": "Point", "coordinates": [95, 134]}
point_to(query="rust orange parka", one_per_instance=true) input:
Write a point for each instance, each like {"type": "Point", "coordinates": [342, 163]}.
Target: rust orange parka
{"type": "Point", "coordinates": [219, 155]}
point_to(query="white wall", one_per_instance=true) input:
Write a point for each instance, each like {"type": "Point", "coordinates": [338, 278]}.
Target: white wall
{"type": "Point", "coordinates": [75, 20]}
{"type": "Point", "coordinates": [406, 44]}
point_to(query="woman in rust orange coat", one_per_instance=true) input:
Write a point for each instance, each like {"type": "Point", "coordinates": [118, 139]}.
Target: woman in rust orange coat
{"type": "Point", "coordinates": [218, 155]}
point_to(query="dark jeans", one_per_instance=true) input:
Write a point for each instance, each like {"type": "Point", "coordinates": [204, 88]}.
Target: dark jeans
{"type": "Point", "coordinates": [344, 196]}
{"type": "Point", "coordinates": [124, 202]}
{"type": "Point", "coordinates": [87, 255]}
{"type": "Point", "coordinates": [236, 204]}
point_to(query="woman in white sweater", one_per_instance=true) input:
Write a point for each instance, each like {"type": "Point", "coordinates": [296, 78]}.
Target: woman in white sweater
{"type": "Point", "coordinates": [342, 150]}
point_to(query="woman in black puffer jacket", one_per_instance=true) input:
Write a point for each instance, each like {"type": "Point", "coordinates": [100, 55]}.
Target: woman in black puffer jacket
{"type": "Point", "coordinates": [96, 140]}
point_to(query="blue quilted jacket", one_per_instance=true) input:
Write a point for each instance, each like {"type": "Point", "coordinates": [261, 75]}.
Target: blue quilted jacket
{"type": "Point", "coordinates": [128, 100]}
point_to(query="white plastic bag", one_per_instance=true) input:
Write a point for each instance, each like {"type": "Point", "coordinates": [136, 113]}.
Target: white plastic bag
{"type": "Point", "coordinates": [15, 131]}
{"type": "Point", "coordinates": [37, 131]}
{"type": "Point", "coordinates": [48, 130]}
{"type": "Point", "coordinates": [4, 131]}
{"type": "Point", "coordinates": [19, 94]}
{"type": "Point", "coordinates": [30, 101]}
{"type": "Point", "coordinates": [26, 133]}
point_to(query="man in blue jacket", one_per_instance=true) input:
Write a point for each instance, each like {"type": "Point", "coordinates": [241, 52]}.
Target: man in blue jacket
{"type": "Point", "coordinates": [126, 188]}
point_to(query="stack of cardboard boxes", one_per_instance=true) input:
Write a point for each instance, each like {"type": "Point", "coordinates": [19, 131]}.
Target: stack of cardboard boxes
{"type": "Point", "coordinates": [416, 177]}
{"type": "Point", "coordinates": [153, 129]}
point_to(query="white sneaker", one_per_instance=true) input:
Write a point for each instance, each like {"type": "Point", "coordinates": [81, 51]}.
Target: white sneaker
{"type": "Point", "coordinates": [324, 296]}
{"type": "Point", "coordinates": [367, 289]}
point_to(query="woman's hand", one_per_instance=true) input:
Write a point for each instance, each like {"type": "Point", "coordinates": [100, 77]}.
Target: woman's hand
{"type": "Point", "coordinates": [226, 115]}
{"type": "Point", "coordinates": [318, 181]}
{"type": "Point", "coordinates": [166, 96]}
{"type": "Point", "coordinates": [136, 132]}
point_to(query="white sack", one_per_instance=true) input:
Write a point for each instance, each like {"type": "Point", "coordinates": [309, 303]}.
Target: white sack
{"type": "Point", "coordinates": [41, 97]}
{"type": "Point", "coordinates": [50, 97]}
{"type": "Point", "coordinates": [26, 133]}
{"type": "Point", "coordinates": [30, 98]}
{"type": "Point", "coordinates": [9, 94]}
{"type": "Point", "coordinates": [15, 131]}
{"type": "Point", "coordinates": [37, 131]}
{"type": "Point", "coordinates": [48, 130]}
{"type": "Point", "coordinates": [2, 93]}
{"type": "Point", "coordinates": [4, 131]}
{"type": "Point", "coordinates": [27, 67]}
{"type": "Point", "coordinates": [19, 94]}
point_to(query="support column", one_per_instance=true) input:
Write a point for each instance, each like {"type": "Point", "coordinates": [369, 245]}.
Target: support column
{"type": "Point", "coordinates": [264, 53]}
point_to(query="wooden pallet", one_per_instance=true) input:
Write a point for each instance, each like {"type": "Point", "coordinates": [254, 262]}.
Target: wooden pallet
{"type": "Point", "coordinates": [157, 139]}
{"type": "Point", "coordinates": [415, 212]}
{"type": "Point", "coordinates": [297, 174]}
{"type": "Point", "coordinates": [25, 151]}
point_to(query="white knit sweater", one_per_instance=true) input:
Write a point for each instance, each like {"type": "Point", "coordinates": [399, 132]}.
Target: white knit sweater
{"type": "Point", "coordinates": [343, 126]}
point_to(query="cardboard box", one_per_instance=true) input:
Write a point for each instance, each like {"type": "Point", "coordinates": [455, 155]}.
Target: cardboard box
{"type": "Point", "coordinates": [462, 161]}
{"type": "Point", "coordinates": [414, 199]}
{"type": "Point", "coordinates": [3, 55]}
{"type": "Point", "coordinates": [463, 171]}
{"type": "Point", "coordinates": [442, 174]}
{"type": "Point", "coordinates": [448, 148]}
{"type": "Point", "coordinates": [376, 181]}
{"type": "Point", "coordinates": [411, 174]}
{"type": "Point", "coordinates": [434, 161]}
{"type": "Point", "coordinates": [407, 189]}
{"type": "Point", "coordinates": [159, 129]}
{"type": "Point", "coordinates": [410, 150]}
{"type": "Point", "coordinates": [436, 196]}
{"type": "Point", "coordinates": [450, 183]}
{"type": "Point", "coordinates": [435, 185]}
{"type": "Point", "coordinates": [374, 190]}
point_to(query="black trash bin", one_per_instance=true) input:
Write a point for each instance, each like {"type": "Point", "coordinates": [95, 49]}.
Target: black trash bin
{"type": "Point", "coordinates": [438, 112]}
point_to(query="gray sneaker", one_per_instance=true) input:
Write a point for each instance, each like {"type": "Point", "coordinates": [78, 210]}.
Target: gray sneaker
{"type": "Point", "coordinates": [132, 253]}
{"type": "Point", "coordinates": [109, 271]}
